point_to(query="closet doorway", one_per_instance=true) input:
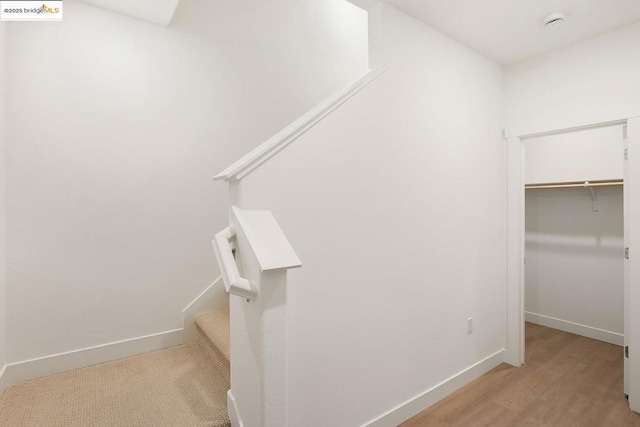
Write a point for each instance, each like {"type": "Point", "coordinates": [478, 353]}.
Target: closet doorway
{"type": "Point", "coordinates": [516, 273]}
{"type": "Point", "coordinates": [574, 273]}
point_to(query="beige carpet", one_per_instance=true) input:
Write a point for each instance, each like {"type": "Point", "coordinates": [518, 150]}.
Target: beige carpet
{"type": "Point", "coordinates": [169, 388]}
{"type": "Point", "coordinates": [216, 327]}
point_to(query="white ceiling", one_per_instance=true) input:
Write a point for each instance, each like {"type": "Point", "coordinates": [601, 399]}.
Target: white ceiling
{"type": "Point", "coordinates": [507, 31]}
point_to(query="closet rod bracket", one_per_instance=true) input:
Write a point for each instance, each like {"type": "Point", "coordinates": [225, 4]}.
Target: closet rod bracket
{"type": "Point", "coordinates": [594, 197]}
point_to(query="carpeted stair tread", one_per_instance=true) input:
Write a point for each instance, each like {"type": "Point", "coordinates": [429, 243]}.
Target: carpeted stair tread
{"type": "Point", "coordinates": [216, 328]}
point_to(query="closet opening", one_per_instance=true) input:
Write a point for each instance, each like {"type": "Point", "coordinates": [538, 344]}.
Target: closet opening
{"type": "Point", "coordinates": [574, 266]}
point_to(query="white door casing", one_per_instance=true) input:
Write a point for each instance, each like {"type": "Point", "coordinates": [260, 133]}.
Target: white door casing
{"type": "Point", "coordinates": [516, 263]}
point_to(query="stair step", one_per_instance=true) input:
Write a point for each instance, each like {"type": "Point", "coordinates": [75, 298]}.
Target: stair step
{"type": "Point", "coordinates": [216, 327]}
{"type": "Point", "coordinates": [214, 337]}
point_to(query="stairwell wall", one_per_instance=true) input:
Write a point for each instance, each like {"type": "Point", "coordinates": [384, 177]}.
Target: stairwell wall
{"type": "Point", "coordinates": [396, 205]}
{"type": "Point", "coordinates": [116, 129]}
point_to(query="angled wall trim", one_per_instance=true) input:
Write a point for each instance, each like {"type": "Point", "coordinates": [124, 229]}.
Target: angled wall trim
{"type": "Point", "coordinates": [213, 298]}
{"type": "Point", "coordinates": [278, 142]}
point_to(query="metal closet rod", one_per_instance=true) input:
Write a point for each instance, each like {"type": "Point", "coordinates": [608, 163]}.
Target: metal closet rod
{"type": "Point", "coordinates": [584, 184]}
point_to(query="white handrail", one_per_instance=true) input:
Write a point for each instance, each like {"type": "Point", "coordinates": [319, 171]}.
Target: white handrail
{"type": "Point", "coordinates": [278, 142]}
{"type": "Point", "coordinates": [233, 283]}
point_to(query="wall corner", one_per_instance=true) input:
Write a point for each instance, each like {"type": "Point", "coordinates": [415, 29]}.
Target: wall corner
{"type": "Point", "coordinates": [376, 37]}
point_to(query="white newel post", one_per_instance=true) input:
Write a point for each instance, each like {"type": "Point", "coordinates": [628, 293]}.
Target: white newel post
{"type": "Point", "coordinates": [274, 341]}
{"type": "Point", "coordinates": [259, 326]}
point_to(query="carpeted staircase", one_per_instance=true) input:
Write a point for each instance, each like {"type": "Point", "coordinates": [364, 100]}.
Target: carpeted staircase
{"type": "Point", "coordinates": [213, 337]}
{"type": "Point", "coordinates": [183, 386]}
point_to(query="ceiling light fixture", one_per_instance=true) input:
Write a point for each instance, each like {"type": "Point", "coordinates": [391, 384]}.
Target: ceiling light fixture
{"type": "Point", "coordinates": [554, 19]}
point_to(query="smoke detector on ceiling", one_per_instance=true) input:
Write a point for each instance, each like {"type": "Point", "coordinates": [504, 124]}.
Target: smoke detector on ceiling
{"type": "Point", "coordinates": [554, 19]}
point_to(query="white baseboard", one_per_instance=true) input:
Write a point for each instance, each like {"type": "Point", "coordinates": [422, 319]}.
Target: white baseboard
{"type": "Point", "coordinates": [3, 379]}
{"type": "Point", "coordinates": [214, 298]}
{"type": "Point", "coordinates": [211, 299]}
{"type": "Point", "coordinates": [575, 328]}
{"type": "Point", "coordinates": [421, 402]}
{"type": "Point", "coordinates": [62, 362]}
{"type": "Point", "coordinates": [232, 411]}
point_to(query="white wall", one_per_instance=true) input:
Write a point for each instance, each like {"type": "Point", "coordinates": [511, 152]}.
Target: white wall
{"type": "Point", "coordinates": [584, 155]}
{"type": "Point", "coordinates": [3, 205]}
{"type": "Point", "coordinates": [307, 48]}
{"type": "Point", "coordinates": [575, 270]}
{"type": "Point", "coordinates": [117, 127]}
{"type": "Point", "coordinates": [592, 81]}
{"type": "Point", "coordinates": [395, 204]}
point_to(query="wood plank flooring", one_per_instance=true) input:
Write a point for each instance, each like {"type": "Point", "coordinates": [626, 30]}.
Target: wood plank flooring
{"type": "Point", "coordinates": [567, 380]}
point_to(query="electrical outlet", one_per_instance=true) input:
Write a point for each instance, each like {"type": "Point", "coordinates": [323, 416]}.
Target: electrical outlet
{"type": "Point", "coordinates": [470, 325]}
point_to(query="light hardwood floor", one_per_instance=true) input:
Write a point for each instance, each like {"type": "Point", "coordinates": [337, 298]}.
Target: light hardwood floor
{"type": "Point", "coordinates": [567, 380]}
